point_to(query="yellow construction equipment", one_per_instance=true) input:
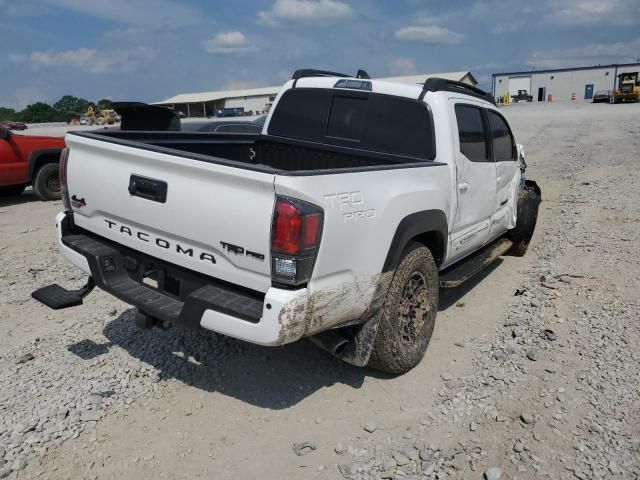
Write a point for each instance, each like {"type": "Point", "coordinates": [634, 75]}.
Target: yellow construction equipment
{"type": "Point", "coordinates": [628, 89]}
{"type": "Point", "coordinates": [100, 117]}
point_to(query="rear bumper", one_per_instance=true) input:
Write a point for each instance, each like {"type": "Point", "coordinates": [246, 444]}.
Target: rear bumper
{"type": "Point", "coordinates": [275, 318]}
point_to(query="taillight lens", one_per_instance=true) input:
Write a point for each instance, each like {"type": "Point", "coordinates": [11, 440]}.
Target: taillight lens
{"type": "Point", "coordinates": [312, 226]}
{"type": "Point", "coordinates": [62, 175]}
{"type": "Point", "coordinates": [287, 228]}
{"type": "Point", "coordinates": [296, 232]}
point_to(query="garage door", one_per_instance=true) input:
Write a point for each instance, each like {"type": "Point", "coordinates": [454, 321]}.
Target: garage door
{"type": "Point", "coordinates": [519, 83]}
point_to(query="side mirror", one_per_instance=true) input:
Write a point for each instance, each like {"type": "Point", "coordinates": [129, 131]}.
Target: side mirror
{"type": "Point", "coordinates": [5, 133]}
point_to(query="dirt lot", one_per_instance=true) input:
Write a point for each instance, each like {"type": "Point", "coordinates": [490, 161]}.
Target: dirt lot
{"type": "Point", "coordinates": [533, 370]}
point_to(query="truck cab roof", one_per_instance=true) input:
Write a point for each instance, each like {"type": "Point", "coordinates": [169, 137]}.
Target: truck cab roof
{"type": "Point", "coordinates": [431, 87]}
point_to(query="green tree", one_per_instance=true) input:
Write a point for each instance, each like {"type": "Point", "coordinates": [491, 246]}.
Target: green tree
{"type": "Point", "coordinates": [38, 112]}
{"type": "Point", "coordinates": [70, 105]}
{"type": "Point", "coordinates": [104, 104]}
{"type": "Point", "coordinates": [7, 113]}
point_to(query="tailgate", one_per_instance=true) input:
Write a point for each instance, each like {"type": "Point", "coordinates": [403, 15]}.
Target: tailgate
{"type": "Point", "coordinates": [215, 219]}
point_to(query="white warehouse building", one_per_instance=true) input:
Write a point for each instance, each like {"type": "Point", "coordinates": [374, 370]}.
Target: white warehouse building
{"type": "Point", "coordinates": [212, 104]}
{"type": "Point", "coordinates": [258, 100]}
{"type": "Point", "coordinates": [561, 85]}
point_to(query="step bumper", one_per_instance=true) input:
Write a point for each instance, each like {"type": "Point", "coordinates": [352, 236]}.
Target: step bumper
{"type": "Point", "coordinates": [276, 319]}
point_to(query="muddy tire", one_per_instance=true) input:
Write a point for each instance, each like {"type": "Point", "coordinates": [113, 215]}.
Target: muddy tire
{"type": "Point", "coordinates": [528, 203]}
{"type": "Point", "coordinates": [46, 184]}
{"type": "Point", "coordinates": [12, 191]}
{"type": "Point", "coordinates": [408, 315]}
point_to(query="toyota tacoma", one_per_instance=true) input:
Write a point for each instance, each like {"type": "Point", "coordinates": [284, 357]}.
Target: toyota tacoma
{"type": "Point", "coordinates": [340, 222]}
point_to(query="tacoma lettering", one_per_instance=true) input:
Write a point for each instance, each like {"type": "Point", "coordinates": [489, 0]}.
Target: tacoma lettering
{"type": "Point", "coordinates": [160, 242]}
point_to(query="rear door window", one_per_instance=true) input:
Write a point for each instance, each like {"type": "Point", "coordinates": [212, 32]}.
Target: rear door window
{"type": "Point", "coordinates": [472, 133]}
{"type": "Point", "coordinates": [366, 121]}
{"type": "Point", "coordinates": [504, 147]}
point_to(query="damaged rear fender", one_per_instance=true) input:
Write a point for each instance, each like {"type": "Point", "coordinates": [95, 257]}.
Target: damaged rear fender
{"type": "Point", "coordinates": [347, 303]}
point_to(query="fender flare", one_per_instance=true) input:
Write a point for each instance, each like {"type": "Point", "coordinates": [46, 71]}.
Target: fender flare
{"type": "Point", "coordinates": [36, 155]}
{"type": "Point", "coordinates": [413, 225]}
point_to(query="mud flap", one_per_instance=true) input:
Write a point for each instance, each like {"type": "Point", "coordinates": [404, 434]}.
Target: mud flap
{"type": "Point", "coordinates": [355, 350]}
{"type": "Point", "coordinates": [529, 198]}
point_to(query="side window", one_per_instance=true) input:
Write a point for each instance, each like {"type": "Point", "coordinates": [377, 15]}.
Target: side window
{"type": "Point", "coordinates": [472, 134]}
{"type": "Point", "coordinates": [504, 147]}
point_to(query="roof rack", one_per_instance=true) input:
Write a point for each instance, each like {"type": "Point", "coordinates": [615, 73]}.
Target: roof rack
{"type": "Point", "coordinates": [436, 84]}
{"type": "Point", "coordinates": [311, 72]}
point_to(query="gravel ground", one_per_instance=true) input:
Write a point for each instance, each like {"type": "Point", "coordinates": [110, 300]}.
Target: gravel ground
{"type": "Point", "coordinates": [532, 371]}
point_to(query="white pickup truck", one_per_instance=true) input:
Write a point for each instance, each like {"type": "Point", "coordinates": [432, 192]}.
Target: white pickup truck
{"type": "Point", "coordinates": [340, 222]}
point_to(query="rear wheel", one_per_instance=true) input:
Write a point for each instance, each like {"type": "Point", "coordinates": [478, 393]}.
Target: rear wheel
{"type": "Point", "coordinates": [408, 316]}
{"type": "Point", "coordinates": [12, 191]}
{"type": "Point", "coordinates": [47, 182]}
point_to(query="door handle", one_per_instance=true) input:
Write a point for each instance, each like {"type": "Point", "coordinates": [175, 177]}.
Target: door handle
{"type": "Point", "coordinates": [463, 187]}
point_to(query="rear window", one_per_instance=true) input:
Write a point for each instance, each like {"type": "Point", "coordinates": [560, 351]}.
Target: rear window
{"type": "Point", "coordinates": [367, 121]}
{"type": "Point", "coordinates": [347, 118]}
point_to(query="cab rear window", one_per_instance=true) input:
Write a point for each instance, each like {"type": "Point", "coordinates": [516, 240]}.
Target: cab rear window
{"type": "Point", "coordinates": [362, 120]}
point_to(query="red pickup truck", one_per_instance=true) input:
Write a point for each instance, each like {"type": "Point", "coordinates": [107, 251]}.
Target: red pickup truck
{"type": "Point", "coordinates": [29, 160]}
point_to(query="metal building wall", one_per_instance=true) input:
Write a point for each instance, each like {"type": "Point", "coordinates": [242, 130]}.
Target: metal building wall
{"type": "Point", "coordinates": [501, 85]}
{"type": "Point", "coordinates": [562, 85]}
{"type": "Point", "coordinates": [256, 103]}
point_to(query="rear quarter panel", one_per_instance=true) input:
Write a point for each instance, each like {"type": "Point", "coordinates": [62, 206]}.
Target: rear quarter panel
{"type": "Point", "coordinates": [362, 211]}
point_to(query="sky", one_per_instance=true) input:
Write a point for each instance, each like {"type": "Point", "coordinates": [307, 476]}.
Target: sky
{"type": "Point", "coordinates": [149, 50]}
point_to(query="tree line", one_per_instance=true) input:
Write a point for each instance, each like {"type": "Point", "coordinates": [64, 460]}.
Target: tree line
{"type": "Point", "coordinates": [63, 110]}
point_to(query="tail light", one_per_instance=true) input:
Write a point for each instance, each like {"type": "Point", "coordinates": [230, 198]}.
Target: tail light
{"type": "Point", "coordinates": [62, 175]}
{"type": "Point", "coordinates": [295, 237]}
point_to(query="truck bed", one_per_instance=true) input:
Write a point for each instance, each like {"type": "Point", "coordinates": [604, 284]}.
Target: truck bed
{"type": "Point", "coordinates": [258, 152]}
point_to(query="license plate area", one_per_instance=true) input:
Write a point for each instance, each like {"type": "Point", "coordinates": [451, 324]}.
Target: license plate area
{"type": "Point", "coordinates": [162, 280]}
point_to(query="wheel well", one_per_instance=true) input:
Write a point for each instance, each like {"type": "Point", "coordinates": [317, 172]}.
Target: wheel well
{"type": "Point", "coordinates": [428, 227]}
{"type": "Point", "coordinates": [434, 242]}
{"type": "Point", "coordinates": [39, 159]}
